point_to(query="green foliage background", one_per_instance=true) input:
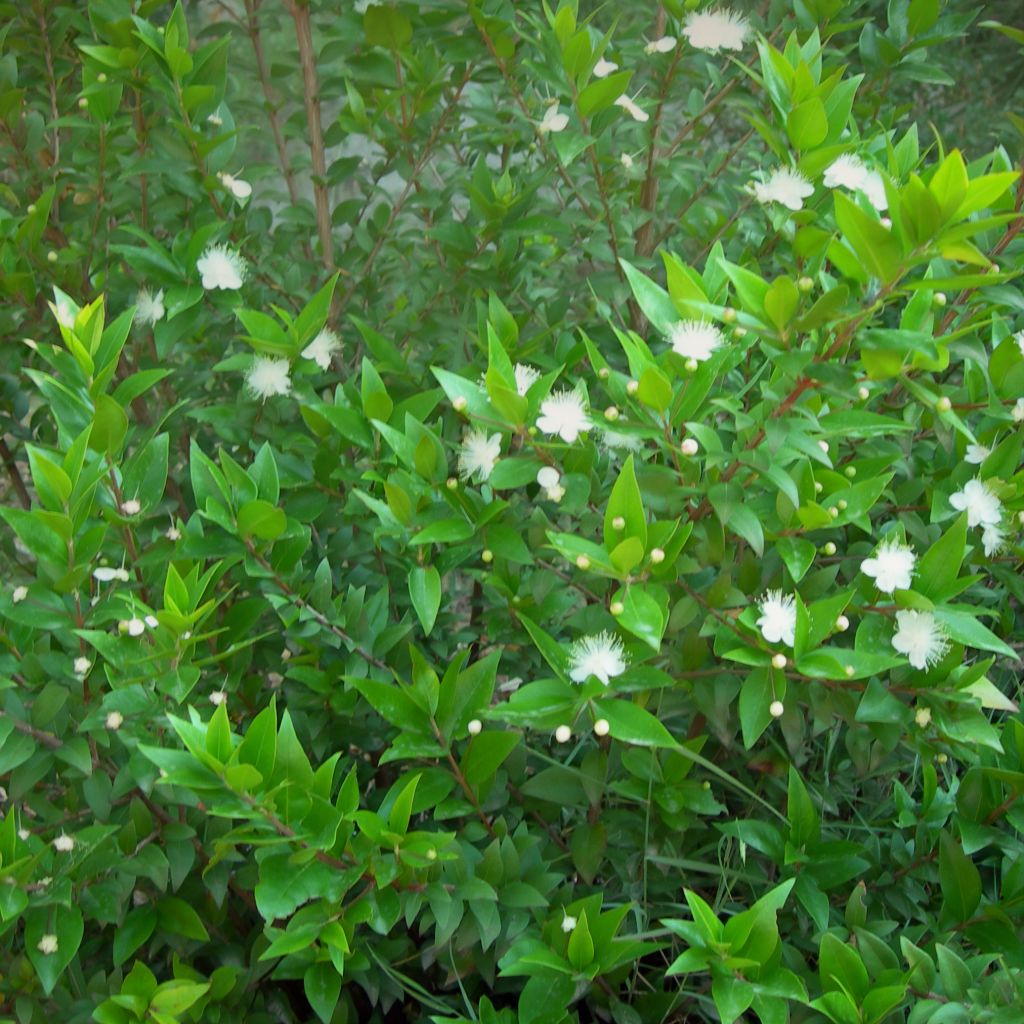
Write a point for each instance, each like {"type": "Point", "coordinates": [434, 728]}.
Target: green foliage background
{"type": "Point", "coordinates": [279, 689]}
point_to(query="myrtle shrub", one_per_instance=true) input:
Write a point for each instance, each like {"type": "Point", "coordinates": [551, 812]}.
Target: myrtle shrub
{"type": "Point", "coordinates": [512, 513]}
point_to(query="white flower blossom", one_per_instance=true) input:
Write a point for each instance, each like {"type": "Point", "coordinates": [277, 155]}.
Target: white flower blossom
{"type": "Point", "coordinates": [695, 339]}
{"type": "Point", "coordinates": [114, 720]}
{"type": "Point", "coordinates": [778, 617]}
{"type": "Point", "coordinates": [849, 171]}
{"type": "Point", "coordinates": [565, 415]}
{"type": "Point", "coordinates": [218, 697]}
{"type": "Point", "coordinates": [627, 161]}
{"type": "Point", "coordinates": [64, 843]}
{"type": "Point", "coordinates": [982, 506]}
{"type": "Point", "coordinates": [322, 348]}
{"type": "Point", "coordinates": [892, 566]}
{"type": "Point", "coordinates": [19, 594]}
{"type": "Point", "coordinates": [526, 376]}
{"type": "Point", "coordinates": [82, 666]}
{"type": "Point", "coordinates": [149, 308]}
{"type": "Point", "coordinates": [47, 944]}
{"type": "Point", "coordinates": [976, 454]}
{"type": "Point", "coordinates": [173, 533]}
{"type": "Point", "coordinates": [221, 267]}
{"type": "Point", "coordinates": [603, 68]}
{"type": "Point", "coordinates": [920, 638]}
{"type": "Point", "coordinates": [634, 110]}
{"type": "Point", "coordinates": [716, 30]}
{"type": "Point", "coordinates": [236, 186]}
{"type": "Point", "coordinates": [553, 121]}
{"type": "Point", "coordinates": [568, 923]}
{"type": "Point", "coordinates": [785, 186]}
{"type": "Point", "coordinates": [666, 44]}
{"type": "Point", "coordinates": [267, 377]}
{"type": "Point", "coordinates": [478, 454]}
{"type": "Point", "coordinates": [992, 538]}
{"type": "Point", "coordinates": [600, 655]}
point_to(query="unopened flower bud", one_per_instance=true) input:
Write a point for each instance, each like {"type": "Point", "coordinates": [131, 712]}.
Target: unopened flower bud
{"type": "Point", "coordinates": [114, 720]}
{"type": "Point", "coordinates": [842, 623]}
{"type": "Point", "coordinates": [51, 256]}
{"type": "Point", "coordinates": [582, 562]}
{"type": "Point", "coordinates": [850, 471]}
{"type": "Point", "coordinates": [776, 709]}
{"type": "Point", "coordinates": [563, 734]}
{"type": "Point", "coordinates": [616, 608]}
{"type": "Point", "coordinates": [886, 223]}
{"type": "Point", "coordinates": [943, 404]}
{"type": "Point", "coordinates": [19, 594]}
{"type": "Point", "coordinates": [849, 670]}
{"type": "Point", "coordinates": [452, 483]}
{"type": "Point", "coordinates": [939, 298]}
{"type": "Point", "coordinates": [778, 661]}
{"type": "Point", "coordinates": [611, 414]}
{"type": "Point", "coordinates": [923, 717]}
{"type": "Point", "coordinates": [487, 555]}
{"type": "Point", "coordinates": [691, 365]}
{"type": "Point", "coordinates": [618, 523]}
{"type": "Point", "coordinates": [689, 446]}
{"type": "Point", "coordinates": [805, 284]}
{"type": "Point", "coordinates": [604, 373]}
{"type": "Point", "coordinates": [460, 403]}
{"type": "Point", "coordinates": [82, 666]}
{"type": "Point", "coordinates": [823, 445]}
{"type": "Point", "coordinates": [863, 394]}
{"type": "Point", "coordinates": [739, 332]}
{"type": "Point", "coordinates": [632, 387]}
{"type": "Point", "coordinates": [729, 315]}
{"type": "Point", "coordinates": [843, 504]}
{"type": "Point", "coordinates": [818, 487]}
{"type": "Point", "coordinates": [833, 512]}
{"type": "Point", "coordinates": [218, 697]}
{"type": "Point", "coordinates": [83, 103]}
{"type": "Point", "coordinates": [568, 924]}
{"type": "Point", "coordinates": [941, 758]}
{"type": "Point", "coordinates": [601, 727]}
{"type": "Point", "coordinates": [657, 556]}
{"type": "Point", "coordinates": [474, 727]}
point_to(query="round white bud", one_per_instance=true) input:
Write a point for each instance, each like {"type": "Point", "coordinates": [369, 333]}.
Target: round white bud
{"type": "Point", "coordinates": [487, 555]}
{"type": "Point", "coordinates": [474, 727]}
{"type": "Point", "coordinates": [611, 414]}
{"type": "Point", "coordinates": [944, 404]}
{"type": "Point", "coordinates": [842, 623]}
{"type": "Point", "coordinates": [582, 562]}
{"type": "Point", "coordinates": [828, 548]}
{"type": "Point", "coordinates": [689, 446]}
{"type": "Point", "coordinates": [863, 394]}
{"type": "Point", "coordinates": [460, 403]}
{"type": "Point", "coordinates": [618, 523]}
{"type": "Point", "coordinates": [778, 661]}
{"type": "Point", "coordinates": [632, 387]}
{"type": "Point", "coordinates": [776, 709]}
{"type": "Point", "coordinates": [617, 608]}
{"type": "Point", "coordinates": [601, 727]}
{"type": "Point", "coordinates": [563, 734]}
{"type": "Point", "coordinates": [657, 556]}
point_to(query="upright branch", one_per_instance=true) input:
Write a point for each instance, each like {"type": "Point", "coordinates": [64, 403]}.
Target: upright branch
{"type": "Point", "coordinates": [311, 95]}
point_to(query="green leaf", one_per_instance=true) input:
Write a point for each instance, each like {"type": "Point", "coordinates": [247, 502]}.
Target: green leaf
{"type": "Point", "coordinates": [804, 825]}
{"type": "Point", "coordinates": [601, 93]}
{"type": "Point", "coordinates": [258, 518]}
{"type": "Point", "coordinates": [178, 918]}
{"type": "Point", "coordinates": [444, 531]}
{"type": "Point", "coordinates": [465, 693]}
{"type": "Point", "coordinates": [425, 593]}
{"type": "Point", "coordinates": [756, 696]}
{"type": "Point", "coordinates": [625, 503]}
{"type": "Point", "coordinates": [65, 923]}
{"type": "Point", "coordinates": [632, 724]}
{"type": "Point", "coordinates": [175, 997]}
{"type": "Point", "coordinates": [940, 566]}
{"type": "Point", "coordinates": [876, 247]}
{"type": "Point", "coordinates": [807, 124]}
{"type": "Point", "coordinates": [321, 982]}
{"type": "Point", "coordinates": [959, 880]}
{"type": "Point", "coordinates": [109, 426]}
{"type": "Point", "coordinates": [386, 27]}
{"type": "Point", "coordinates": [652, 299]}
{"type": "Point", "coordinates": [138, 926]}
{"type": "Point", "coordinates": [486, 753]}
{"type": "Point", "coordinates": [641, 615]}
{"type": "Point", "coordinates": [581, 946]}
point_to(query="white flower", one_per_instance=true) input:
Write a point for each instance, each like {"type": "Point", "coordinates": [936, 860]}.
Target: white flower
{"type": "Point", "coordinates": [716, 30]}
{"type": "Point", "coordinates": [149, 307]}
{"type": "Point", "coordinates": [627, 161]}
{"type": "Point", "coordinates": [786, 186]}
{"type": "Point", "coordinates": [64, 843]}
{"type": "Point", "coordinates": [173, 533]}
{"type": "Point", "coordinates": [478, 454]}
{"type": "Point", "coordinates": [47, 944]}
{"type": "Point", "coordinates": [105, 574]}
{"type": "Point", "coordinates": [663, 45]}
{"type": "Point", "coordinates": [114, 720]}
{"type": "Point", "coordinates": [221, 267]}
{"type": "Point", "coordinates": [892, 566]}
{"type": "Point", "coordinates": [136, 627]}
{"type": "Point", "coordinates": [778, 617]}
{"type": "Point", "coordinates": [634, 110]}
{"type": "Point", "coordinates": [923, 717]}
{"type": "Point", "coordinates": [600, 655]}
{"type": "Point", "coordinates": [267, 377]}
{"type": "Point", "coordinates": [616, 441]}
{"type": "Point", "coordinates": [23, 834]}
{"type": "Point", "coordinates": [695, 339]}
{"type": "Point", "coordinates": [218, 697]}
{"type": "Point", "coordinates": [82, 666]}
{"type": "Point", "coordinates": [322, 348]}
{"type": "Point", "coordinates": [236, 186]}
{"type": "Point", "coordinates": [564, 414]}
{"type": "Point", "coordinates": [19, 594]}
{"type": "Point", "coordinates": [992, 539]}
{"type": "Point", "coordinates": [131, 507]}
{"type": "Point", "coordinates": [568, 923]}
{"type": "Point", "coordinates": [982, 506]}
{"type": "Point", "coordinates": [919, 637]}
{"type": "Point", "coordinates": [553, 121]}
{"type": "Point", "coordinates": [603, 68]}
{"type": "Point", "coordinates": [215, 120]}
{"type": "Point", "coordinates": [548, 476]}
{"type": "Point", "coordinates": [976, 454]}
{"type": "Point", "coordinates": [848, 171]}
{"type": "Point", "coordinates": [526, 375]}
{"type": "Point", "coordinates": [563, 734]}
{"type": "Point", "coordinates": [1018, 411]}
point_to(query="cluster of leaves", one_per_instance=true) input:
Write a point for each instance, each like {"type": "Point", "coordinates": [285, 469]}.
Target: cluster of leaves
{"type": "Point", "coordinates": [346, 437]}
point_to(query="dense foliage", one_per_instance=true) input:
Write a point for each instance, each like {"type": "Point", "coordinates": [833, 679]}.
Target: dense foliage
{"type": "Point", "coordinates": [513, 513]}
